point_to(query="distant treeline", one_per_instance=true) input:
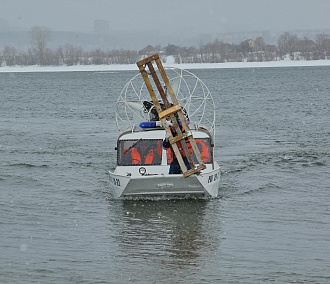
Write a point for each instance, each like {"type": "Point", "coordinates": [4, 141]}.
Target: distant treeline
{"type": "Point", "coordinates": [251, 50]}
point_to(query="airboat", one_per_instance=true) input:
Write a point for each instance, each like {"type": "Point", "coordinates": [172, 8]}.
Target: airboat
{"type": "Point", "coordinates": [144, 118]}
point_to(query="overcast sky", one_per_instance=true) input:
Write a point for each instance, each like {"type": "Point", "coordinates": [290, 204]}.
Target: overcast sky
{"type": "Point", "coordinates": [198, 16]}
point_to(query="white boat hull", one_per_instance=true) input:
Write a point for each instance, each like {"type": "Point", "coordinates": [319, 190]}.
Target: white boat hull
{"type": "Point", "coordinates": [204, 185]}
{"type": "Point", "coordinates": [142, 168]}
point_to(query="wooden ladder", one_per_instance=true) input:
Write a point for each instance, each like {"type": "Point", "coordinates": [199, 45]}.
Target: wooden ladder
{"type": "Point", "coordinates": [170, 111]}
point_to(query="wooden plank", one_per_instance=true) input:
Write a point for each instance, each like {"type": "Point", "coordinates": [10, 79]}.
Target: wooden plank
{"type": "Point", "coordinates": [168, 105]}
{"type": "Point", "coordinates": [158, 84]}
{"type": "Point", "coordinates": [194, 171]}
{"type": "Point", "coordinates": [150, 88]}
{"type": "Point", "coordinates": [178, 138]}
{"type": "Point", "coordinates": [191, 139]}
{"type": "Point", "coordinates": [169, 111]}
{"type": "Point", "coordinates": [158, 107]}
{"type": "Point", "coordinates": [147, 60]}
{"type": "Point", "coordinates": [167, 82]}
{"type": "Point", "coordinates": [181, 117]}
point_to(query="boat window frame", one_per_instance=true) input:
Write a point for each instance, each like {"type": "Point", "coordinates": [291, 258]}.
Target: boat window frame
{"type": "Point", "coordinates": [209, 147]}
{"type": "Point", "coordinates": [120, 149]}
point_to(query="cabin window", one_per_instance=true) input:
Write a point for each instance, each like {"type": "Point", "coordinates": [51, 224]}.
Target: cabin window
{"type": "Point", "coordinates": [139, 152]}
{"type": "Point", "coordinates": [204, 146]}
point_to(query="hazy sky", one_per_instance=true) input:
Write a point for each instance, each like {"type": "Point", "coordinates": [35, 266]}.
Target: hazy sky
{"type": "Point", "coordinates": [199, 16]}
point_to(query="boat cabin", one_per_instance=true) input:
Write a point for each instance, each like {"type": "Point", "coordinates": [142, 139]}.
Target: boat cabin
{"type": "Point", "coordinates": [132, 150]}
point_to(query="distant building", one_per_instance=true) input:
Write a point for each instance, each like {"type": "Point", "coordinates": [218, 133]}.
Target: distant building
{"type": "Point", "coordinates": [251, 43]}
{"type": "Point", "coordinates": [306, 45]}
{"type": "Point", "coordinates": [270, 48]}
{"type": "Point", "coordinates": [148, 51]}
{"type": "Point", "coordinates": [101, 26]}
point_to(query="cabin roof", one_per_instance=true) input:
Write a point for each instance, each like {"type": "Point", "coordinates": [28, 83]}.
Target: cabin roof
{"type": "Point", "coordinates": [155, 134]}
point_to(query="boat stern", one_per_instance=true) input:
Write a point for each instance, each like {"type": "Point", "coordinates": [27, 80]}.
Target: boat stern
{"type": "Point", "coordinates": [205, 185]}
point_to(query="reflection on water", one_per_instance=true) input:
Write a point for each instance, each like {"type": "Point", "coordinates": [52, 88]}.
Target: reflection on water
{"type": "Point", "coordinates": [171, 233]}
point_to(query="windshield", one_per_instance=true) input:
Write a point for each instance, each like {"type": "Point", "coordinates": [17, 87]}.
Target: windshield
{"type": "Point", "coordinates": [139, 152]}
{"type": "Point", "coordinates": [204, 146]}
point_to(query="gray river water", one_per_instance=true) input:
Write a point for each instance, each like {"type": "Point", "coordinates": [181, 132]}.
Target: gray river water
{"type": "Point", "coordinates": [271, 223]}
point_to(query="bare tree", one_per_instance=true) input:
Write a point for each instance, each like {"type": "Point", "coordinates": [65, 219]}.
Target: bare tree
{"type": "Point", "coordinates": [287, 43]}
{"type": "Point", "coordinates": [293, 42]}
{"type": "Point", "coordinates": [320, 40]}
{"type": "Point", "coordinates": [59, 56]}
{"type": "Point", "coordinates": [40, 36]}
{"type": "Point", "coordinates": [283, 44]}
{"type": "Point", "coordinates": [245, 47]}
{"type": "Point", "coordinates": [216, 51]}
{"type": "Point", "coordinates": [9, 55]}
{"type": "Point", "coordinates": [201, 50]}
{"type": "Point", "coordinates": [259, 44]}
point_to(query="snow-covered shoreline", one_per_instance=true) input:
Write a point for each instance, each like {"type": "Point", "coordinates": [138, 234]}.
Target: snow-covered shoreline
{"type": "Point", "coordinates": [169, 63]}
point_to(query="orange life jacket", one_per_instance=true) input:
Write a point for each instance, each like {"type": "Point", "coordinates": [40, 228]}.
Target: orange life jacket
{"type": "Point", "coordinates": [170, 152]}
{"type": "Point", "coordinates": [204, 151]}
{"type": "Point", "coordinates": [149, 158]}
{"type": "Point", "coordinates": [136, 157]}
